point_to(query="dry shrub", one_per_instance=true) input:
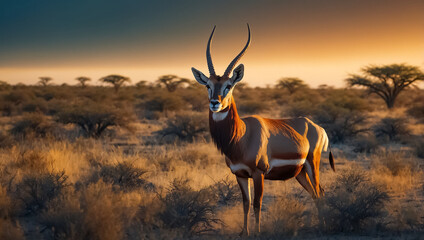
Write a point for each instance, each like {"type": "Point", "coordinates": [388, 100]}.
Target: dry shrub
{"type": "Point", "coordinates": [416, 109]}
{"type": "Point", "coordinates": [35, 105]}
{"type": "Point", "coordinates": [33, 125]}
{"type": "Point", "coordinates": [391, 129]}
{"type": "Point", "coordinates": [94, 119]}
{"type": "Point", "coordinates": [342, 117]}
{"type": "Point", "coordinates": [354, 204]}
{"type": "Point", "coordinates": [285, 217]}
{"type": "Point", "coordinates": [186, 126]}
{"type": "Point", "coordinates": [395, 163]}
{"type": "Point", "coordinates": [187, 210]}
{"type": "Point", "coordinates": [29, 160]}
{"type": "Point", "coordinates": [365, 144]}
{"type": "Point", "coordinates": [9, 228]}
{"type": "Point", "coordinates": [419, 147]}
{"type": "Point", "coordinates": [124, 174]}
{"type": "Point", "coordinates": [406, 216]}
{"type": "Point", "coordinates": [163, 102]}
{"type": "Point", "coordinates": [252, 106]}
{"type": "Point", "coordinates": [5, 203]}
{"type": "Point", "coordinates": [37, 190]}
{"type": "Point", "coordinates": [93, 212]}
{"type": "Point", "coordinates": [396, 170]}
{"type": "Point", "coordinates": [227, 192]}
{"type": "Point", "coordinates": [6, 140]}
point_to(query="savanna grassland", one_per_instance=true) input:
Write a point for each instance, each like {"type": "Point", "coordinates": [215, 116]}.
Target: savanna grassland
{"type": "Point", "coordinates": [138, 163]}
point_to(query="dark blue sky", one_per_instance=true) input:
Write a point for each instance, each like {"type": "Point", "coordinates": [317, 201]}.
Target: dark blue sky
{"type": "Point", "coordinates": [172, 34]}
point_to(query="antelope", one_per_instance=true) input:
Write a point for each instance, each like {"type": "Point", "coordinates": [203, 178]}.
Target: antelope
{"type": "Point", "coordinates": [257, 147]}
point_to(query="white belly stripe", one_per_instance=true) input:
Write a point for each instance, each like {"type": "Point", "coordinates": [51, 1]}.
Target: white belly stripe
{"type": "Point", "coordinates": [240, 166]}
{"type": "Point", "coordinates": [284, 162]}
{"type": "Point", "coordinates": [273, 163]}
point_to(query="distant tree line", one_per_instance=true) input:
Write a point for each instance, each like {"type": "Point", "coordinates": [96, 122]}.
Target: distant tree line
{"type": "Point", "coordinates": [386, 81]}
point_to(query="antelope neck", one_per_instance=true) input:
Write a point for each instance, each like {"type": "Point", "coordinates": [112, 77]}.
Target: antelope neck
{"type": "Point", "coordinates": [227, 131]}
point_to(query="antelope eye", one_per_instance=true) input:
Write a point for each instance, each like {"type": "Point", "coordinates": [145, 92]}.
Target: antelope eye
{"type": "Point", "coordinates": [228, 87]}
{"type": "Point", "coordinates": [207, 86]}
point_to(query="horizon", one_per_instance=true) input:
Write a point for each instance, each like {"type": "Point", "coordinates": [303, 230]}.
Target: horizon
{"type": "Point", "coordinates": [320, 43]}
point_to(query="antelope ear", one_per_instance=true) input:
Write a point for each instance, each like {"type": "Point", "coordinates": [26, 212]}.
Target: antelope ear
{"type": "Point", "coordinates": [238, 74]}
{"type": "Point", "coordinates": [199, 76]}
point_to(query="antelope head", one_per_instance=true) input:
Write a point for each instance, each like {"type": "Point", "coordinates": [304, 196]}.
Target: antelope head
{"type": "Point", "coordinates": [220, 88]}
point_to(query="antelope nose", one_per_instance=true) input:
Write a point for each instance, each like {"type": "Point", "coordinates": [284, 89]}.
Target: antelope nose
{"type": "Point", "coordinates": [214, 102]}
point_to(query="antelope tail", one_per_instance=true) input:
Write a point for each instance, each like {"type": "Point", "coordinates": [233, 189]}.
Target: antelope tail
{"type": "Point", "coordinates": [327, 145]}
{"type": "Point", "coordinates": [331, 158]}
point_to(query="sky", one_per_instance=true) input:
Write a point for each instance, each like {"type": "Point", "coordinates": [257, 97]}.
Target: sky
{"type": "Point", "coordinates": [320, 42]}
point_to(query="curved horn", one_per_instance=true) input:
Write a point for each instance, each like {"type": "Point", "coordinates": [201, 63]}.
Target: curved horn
{"type": "Point", "coordinates": [236, 59]}
{"type": "Point", "coordinates": [208, 55]}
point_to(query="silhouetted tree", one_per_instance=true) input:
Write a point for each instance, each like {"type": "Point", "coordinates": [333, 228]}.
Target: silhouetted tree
{"type": "Point", "coordinates": [387, 81]}
{"type": "Point", "coordinates": [44, 81]}
{"type": "Point", "coordinates": [141, 84]}
{"type": "Point", "coordinates": [292, 84]}
{"type": "Point", "coordinates": [94, 119]}
{"type": "Point", "coordinates": [82, 80]}
{"type": "Point", "coordinates": [171, 82]}
{"type": "Point", "coordinates": [116, 80]}
{"type": "Point", "coordinates": [4, 85]}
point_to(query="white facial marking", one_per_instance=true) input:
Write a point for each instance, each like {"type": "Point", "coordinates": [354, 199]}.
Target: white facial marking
{"type": "Point", "coordinates": [309, 172]}
{"type": "Point", "coordinates": [219, 116]}
{"type": "Point", "coordinates": [284, 162]}
{"type": "Point", "coordinates": [245, 185]}
{"type": "Point", "coordinates": [240, 166]}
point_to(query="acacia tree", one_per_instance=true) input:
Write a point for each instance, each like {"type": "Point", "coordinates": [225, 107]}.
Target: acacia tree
{"type": "Point", "coordinates": [292, 84]}
{"type": "Point", "coordinates": [82, 80]}
{"type": "Point", "coordinates": [93, 119]}
{"type": "Point", "coordinates": [4, 85]}
{"type": "Point", "coordinates": [44, 81]}
{"type": "Point", "coordinates": [387, 81]}
{"type": "Point", "coordinates": [141, 84]}
{"type": "Point", "coordinates": [116, 80]}
{"type": "Point", "coordinates": [171, 82]}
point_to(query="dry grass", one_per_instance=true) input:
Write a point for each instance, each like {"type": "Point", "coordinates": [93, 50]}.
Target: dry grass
{"type": "Point", "coordinates": [398, 171]}
{"type": "Point", "coordinates": [123, 186]}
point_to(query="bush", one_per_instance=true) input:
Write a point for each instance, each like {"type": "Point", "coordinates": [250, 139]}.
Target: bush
{"type": "Point", "coordinates": [5, 140]}
{"type": "Point", "coordinates": [35, 105]}
{"type": "Point", "coordinates": [36, 191]}
{"type": "Point", "coordinates": [252, 106]}
{"type": "Point", "coordinates": [124, 174]}
{"type": "Point", "coordinates": [354, 203]}
{"type": "Point", "coordinates": [227, 192]}
{"type": "Point", "coordinates": [286, 216]}
{"type": "Point", "coordinates": [417, 109]}
{"type": "Point", "coordinates": [94, 212]}
{"type": "Point", "coordinates": [188, 210]}
{"type": "Point", "coordinates": [31, 161]}
{"type": "Point", "coordinates": [419, 148]}
{"type": "Point", "coordinates": [391, 128]}
{"type": "Point", "coordinates": [94, 119]}
{"type": "Point", "coordinates": [342, 117]}
{"type": "Point", "coordinates": [9, 228]}
{"type": "Point", "coordinates": [163, 103]}
{"type": "Point", "coordinates": [33, 124]}
{"type": "Point", "coordinates": [186, 126]}
{"type": "Point", "coordinates": [395, 163]}
{"type": "Point", "coordinates": [365, 144]}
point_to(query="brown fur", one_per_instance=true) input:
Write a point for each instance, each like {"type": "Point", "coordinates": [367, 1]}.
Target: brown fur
{"type": "Point", "coordinates": [228, 142]}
